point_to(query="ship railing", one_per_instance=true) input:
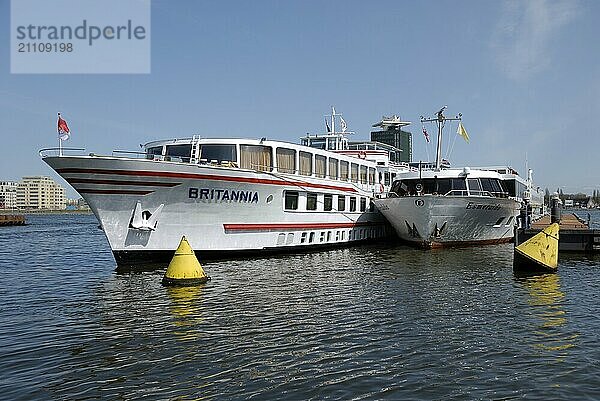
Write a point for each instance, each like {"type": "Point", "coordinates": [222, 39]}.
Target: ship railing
{"type": "Point", "coordinates": [51, 152]}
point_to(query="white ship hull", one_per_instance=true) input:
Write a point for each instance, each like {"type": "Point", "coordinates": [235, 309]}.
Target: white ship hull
{"type": "Point", "coordinates": [145, 207]}
{"type": "Point", "coordinates": [432, 221]}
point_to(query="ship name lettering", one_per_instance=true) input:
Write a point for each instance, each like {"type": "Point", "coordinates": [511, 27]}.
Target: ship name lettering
{"type": "Point", "coordinates": [479, 206]}
{"type": "Point", "coordinates": [223, 195]}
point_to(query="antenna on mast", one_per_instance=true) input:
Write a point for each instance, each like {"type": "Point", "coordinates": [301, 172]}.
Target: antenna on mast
{"type": "Point", "coordinates": [441, 121]}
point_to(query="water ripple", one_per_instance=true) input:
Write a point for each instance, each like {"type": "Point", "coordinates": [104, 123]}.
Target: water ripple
{"type": "Point", "coordinates": [371, 322]}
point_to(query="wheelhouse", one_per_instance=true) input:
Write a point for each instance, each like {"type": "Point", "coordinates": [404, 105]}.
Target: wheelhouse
{"type": "Point", "coordinates": [450, 186]}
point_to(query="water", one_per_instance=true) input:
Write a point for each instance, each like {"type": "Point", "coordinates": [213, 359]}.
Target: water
{"type": "Point", "coordinates": [371, 322]}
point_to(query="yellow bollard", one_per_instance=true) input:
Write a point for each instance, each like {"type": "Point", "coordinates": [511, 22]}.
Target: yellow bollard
{"type": "Point", "coordinates": [184, 269]}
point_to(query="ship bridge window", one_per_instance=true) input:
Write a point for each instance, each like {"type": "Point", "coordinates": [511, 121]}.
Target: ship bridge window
{"type": "Point", "coordinates": [256, 157]}
{"type": "Point", "coordinates": [333, 169]}
{"type": "Point", "coordinates": [459, 184]}
{"type": "Point", "coordinates": [218, 153]}
{"type": "Point", "coordinates": [305, 163]}
{"type": "Point", "coordinates": [320, 165]}
{"type": "Point", "coordinates": [492, 186]}
{"type": "Point", "coordinates": [286, 160]}
{"type": "Point", "coordinates": [179, 153]}
{"type": "Point", "coordinates": [154, 151]}
{"type": "Point", "coordinates": [474, 186]}
{"type": "Point", "coordinates": [344, 171]}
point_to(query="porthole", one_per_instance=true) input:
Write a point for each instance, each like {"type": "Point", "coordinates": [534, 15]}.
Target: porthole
{"type": "Point", "coordinates": [269, 199]}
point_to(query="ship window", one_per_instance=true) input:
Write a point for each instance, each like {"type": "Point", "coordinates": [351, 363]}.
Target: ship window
{"type": "Point", "coordinates": [180, 153]}
{"type": "Point", "coordinates": [303, 237]}
{"type": "Point", "coordinates": [372, 176]}
{"type": "Point", "coordinates": [333, 169]}
{"type": "Point", "coordinates": [386, 178]}
{"type": "Point", "coordinates": [474, 185]}
{"type": "Point", "coordinates": [218, 153]}
{"type": "Point", "coordinates": [363, 174]}
{"type": "Point", "coordinates": [354, 172]}
{"type": "Point", "coordinates": [155, 151]}
{"type": "Point", "coordinates": [322, 237]}
{"type": "Point", "coordinates": [311, 201]}
{"type": "Point", "coordinates": [363, 204]}
{"type": "Point", "coordinates": [320, 163]}
{"type": "Point", "coordinates": [291, 200]}
{"type": "Point", "coordinates": [442, 186]}
{"type": "Point", "coordinates": [305, 163]}
{"type": "Point", "coordinates": [352, 204]}
{"type": "Point", "coordinates": [286, 160]}
{"type": "Point", "coordinates": [344, 171]}
{"type": "Point", "coordinates": [256, 157]}
{"type": "Point", "coordinates": [327, 202]}
{"type": "Point", "coordinates": [311, 237]}
{"type": "Point", "coordinates": [341, 203]}
{"type": "Point", "coordinates": [459, 184]}
{"type": "Point", "coordinates": [328, 236]}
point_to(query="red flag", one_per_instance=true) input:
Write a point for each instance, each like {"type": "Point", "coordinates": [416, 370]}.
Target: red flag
{"type": "Point", "coordinates": [426, 134]}
{"type": "Point", "coordinates": [62, 128]}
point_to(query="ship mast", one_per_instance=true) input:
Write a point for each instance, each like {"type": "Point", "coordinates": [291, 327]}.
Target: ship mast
{"type": "Point", "coordinates": [441, 121]}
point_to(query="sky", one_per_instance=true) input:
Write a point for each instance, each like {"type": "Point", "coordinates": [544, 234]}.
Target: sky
{"type": "Point", "coordinates": [524, 74]}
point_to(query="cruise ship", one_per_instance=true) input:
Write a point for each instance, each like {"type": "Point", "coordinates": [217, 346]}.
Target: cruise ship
{"type": "Point", "coordinates": [433, 205]}
{"type": "Point", "coordinates": [234, 195]}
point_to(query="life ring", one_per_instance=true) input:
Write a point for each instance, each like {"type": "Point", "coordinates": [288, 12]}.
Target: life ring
{"type": "Point", "coordinates": [362, 155]}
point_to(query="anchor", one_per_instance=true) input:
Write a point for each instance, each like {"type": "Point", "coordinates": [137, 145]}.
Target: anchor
{"type": "Point", "coordinates": [145, 220]}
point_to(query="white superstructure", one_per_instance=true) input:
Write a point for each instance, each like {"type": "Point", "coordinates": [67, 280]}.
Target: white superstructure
{"type": "Point", "coordinates": [230, 195]}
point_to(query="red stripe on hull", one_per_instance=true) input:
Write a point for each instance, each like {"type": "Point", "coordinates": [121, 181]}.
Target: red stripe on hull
{"type": "Point", "coordinates": [294, 226]}
{"type": "Point", "coordinates": [168, 174]}
{"type": "Point", "coordinates": [120, 182]}
{"type": "Point", "coordinates": [112, 192]}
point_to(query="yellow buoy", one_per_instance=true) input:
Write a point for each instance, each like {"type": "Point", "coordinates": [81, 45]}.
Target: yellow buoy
{"type": "Point", "coordinates": [184, 269]}
{"type": "Point", "coordinates": [539, 253]}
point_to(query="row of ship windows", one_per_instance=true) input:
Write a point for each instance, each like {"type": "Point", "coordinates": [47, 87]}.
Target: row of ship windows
{"type": "Point", "coordinates": [260, 157]}
{"type": "Point", "coordinates": [328, 236]}
{"type": "Point", "coordinates": [294, 200]}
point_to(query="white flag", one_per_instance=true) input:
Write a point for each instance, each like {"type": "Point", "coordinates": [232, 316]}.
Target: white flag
{"type": "Point", "coordinates": [343, 124]}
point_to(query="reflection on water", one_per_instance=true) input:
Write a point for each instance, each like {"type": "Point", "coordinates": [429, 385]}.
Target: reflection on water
{"type": "Point", "coordinates": [369, 322]}
{"type": "Point", "coordinates": [185, 306]}
{"type": "Point", "coordinates": [546, 301]}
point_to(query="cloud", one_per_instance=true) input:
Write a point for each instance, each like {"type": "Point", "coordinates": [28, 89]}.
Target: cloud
{"type": "Point", "coordinates": [522, 38]}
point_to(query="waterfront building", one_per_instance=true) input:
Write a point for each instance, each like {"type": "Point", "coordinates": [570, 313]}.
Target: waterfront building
{"type": "Point", "coordinates": [391, 133]}
{"type": "Point", "coordinates": [39, 192]}
{"type": "Point", "coordinates": [8, 194]}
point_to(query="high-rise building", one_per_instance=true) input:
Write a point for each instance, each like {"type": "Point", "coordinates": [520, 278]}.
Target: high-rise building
{"type": "Point", "coordinates": [40, 193]}
{"type": "Point", "coordinates": [8, 195]}
{"type": "Point", "coordinates": [391, 133]}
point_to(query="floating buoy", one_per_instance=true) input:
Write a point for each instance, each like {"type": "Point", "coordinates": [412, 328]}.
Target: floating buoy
{"type": "Point", "coordinates": [184, 269]}
{"type": "Point", "coordinates": [539, 254]}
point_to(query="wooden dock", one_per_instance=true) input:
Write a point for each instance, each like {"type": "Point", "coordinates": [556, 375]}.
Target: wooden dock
{"type": "Point", "coordinates": [575, 235]}
{"type": "Point", "coordinates": [12, 220]}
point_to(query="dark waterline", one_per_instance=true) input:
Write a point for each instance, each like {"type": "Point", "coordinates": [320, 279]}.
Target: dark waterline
{"type": "Point", "coordinates": [369, 322]}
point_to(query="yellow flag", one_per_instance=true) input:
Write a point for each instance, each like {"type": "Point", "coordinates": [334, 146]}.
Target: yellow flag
{"type": "Point", "coordinates": [462, 132]}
